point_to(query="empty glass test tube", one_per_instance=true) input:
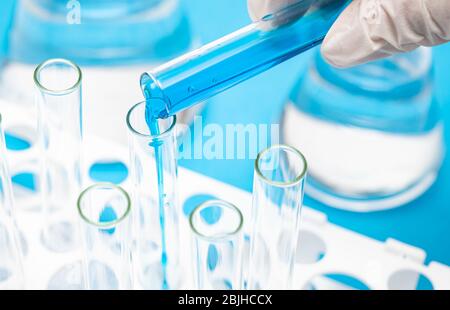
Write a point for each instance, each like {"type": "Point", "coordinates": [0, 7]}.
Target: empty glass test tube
{"type": "Point", "coordinates": [105, 212]}
{"type": "Point", "coordinates": [217, 66]}
{"type": "Point", "coordinates": [11, 268]}
{"type": "Point", "coordinates": [60, 132]}
{"type": "Point", "coordinates": [156, 211]}
{"type": "Point", "coordinates": [218, 239]}
{"type": "Point", "coordinates": [278, 186]}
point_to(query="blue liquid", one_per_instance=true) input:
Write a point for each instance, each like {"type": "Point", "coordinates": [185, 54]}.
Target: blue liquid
{"type": "Point", "coordinates": [153, 126]}
{"type": "Point", "coordinates": [231, 60]}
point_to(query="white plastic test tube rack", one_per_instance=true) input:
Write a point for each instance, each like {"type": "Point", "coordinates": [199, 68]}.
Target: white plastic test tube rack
{"type": "Point", "coordinates": [325, 249]}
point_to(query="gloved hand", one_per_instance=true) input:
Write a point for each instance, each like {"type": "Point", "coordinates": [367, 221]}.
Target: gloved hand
{"type": "Point", "coordinates": [373, 29]}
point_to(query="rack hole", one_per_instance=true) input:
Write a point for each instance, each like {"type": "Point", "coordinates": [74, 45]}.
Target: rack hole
{"type": "Point", "coordinates": [68, 277]}
{"type": "Point", "coordinates": [25, 186]}
{"type": "Point", "coordinates": [310, 248]}
{"type": "Point", "coordinates": [192, 202]}
{"type": "Point", "coordinates": [335, 281]}
{"type": "Point", "coordinates": [25, 180]}
{"type": "Point", "coordinates": [108, 171]}
{"type": "Point", "coordinates": [409, 280]}
{"type": "Point", "coordinates": [19, 138]}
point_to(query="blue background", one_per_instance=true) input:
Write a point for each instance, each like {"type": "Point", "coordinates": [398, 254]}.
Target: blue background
{"type": "Point", "coordinates": [424, 223]}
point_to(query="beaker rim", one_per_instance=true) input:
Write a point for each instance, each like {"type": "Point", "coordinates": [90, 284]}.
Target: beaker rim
{"type": "Point", "coordinates": [66, 91]}
{"type": "Point", "coordinates": [161, 135]}
{"type": "Point", "coordinates": [219, 203]}
{"type": "Point", "coordinates": [293, 182]}
{"type": "Point", "coordinates": [110, 224]}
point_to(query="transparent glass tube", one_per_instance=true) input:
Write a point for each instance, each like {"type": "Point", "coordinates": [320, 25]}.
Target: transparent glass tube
{"type": "Point", "coordinates": [60, 132]}
{"type": "Point", "coordinates": [277, 200]}
{"type": "Point", "coordinates": [106, 236]}
{"type": "Point", "coordinates": [156, 211]}
{"type": "Point", "coordinates": [217, 229]}
{"type": "Point", "coordinates": [215, 67]}
{"type": "Point", "coordinates": [11, 268]}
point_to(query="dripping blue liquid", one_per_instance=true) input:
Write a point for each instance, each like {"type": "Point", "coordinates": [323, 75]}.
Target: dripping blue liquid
{"type": "Point", "coordinates": [153, 126]}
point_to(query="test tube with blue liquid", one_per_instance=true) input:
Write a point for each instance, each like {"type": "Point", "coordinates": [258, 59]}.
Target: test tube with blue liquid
{"type": "Point", "coordinates": [220, 65]}
{"type": "Point", "coordinates": [156, 211]}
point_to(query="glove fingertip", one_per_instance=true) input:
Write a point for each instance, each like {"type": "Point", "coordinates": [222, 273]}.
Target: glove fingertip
{"type": "Point", "coordinates": [334, 54]}
{"type": "Point", "coordinates": [253, 9]}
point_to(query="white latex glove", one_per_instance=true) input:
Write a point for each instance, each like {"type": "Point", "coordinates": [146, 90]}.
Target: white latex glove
{"type": "Point", "coordinates": [372, 29]}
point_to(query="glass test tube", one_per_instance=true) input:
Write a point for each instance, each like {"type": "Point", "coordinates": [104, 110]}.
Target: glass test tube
{"type": "Point", "coordinates": [277, 200]}
{"type": "Point", "coordinates": [11, 268]}
{"type": "Point", "coordinates": [217, 228]}
{"type": "Point", "coordinates": [215, 67]}
{"type": "Point", "coordinates": [60, 132]}
{"type": "Point", "coordinates": [106, 236]}
{"type": "Point", "coordinates": [156, 211]}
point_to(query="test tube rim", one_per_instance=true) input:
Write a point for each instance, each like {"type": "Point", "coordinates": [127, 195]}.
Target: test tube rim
{"type": "Point", "coordinates": [62, 91]}
{"type": "Point", "coordinates": [168, 131]}
{"type": "Point", "coordinates": [296, 180]}
{"type": "Point", "coordinates": [110, 224]}
{"type": "Point", "coordinates": [216, 202]}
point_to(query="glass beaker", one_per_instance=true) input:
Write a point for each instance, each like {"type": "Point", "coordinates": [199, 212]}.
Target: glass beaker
{"type": "Point", "coordinates": [218, 239]}
{"type": "Point", "coordinates": [278, 184]}
{"type": "Point", "coordinates": [372, 134]}
{"type": "Point", "coordinates": [58, 82]}
{"type": "Point", "coordinates": [98, 32]}
{"type": "Point", "coordinates": [156, 210]}
{"type": "Point", "coordinates": [11, 268]}
{"type": "Point", "coordinates": [106, 236]}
